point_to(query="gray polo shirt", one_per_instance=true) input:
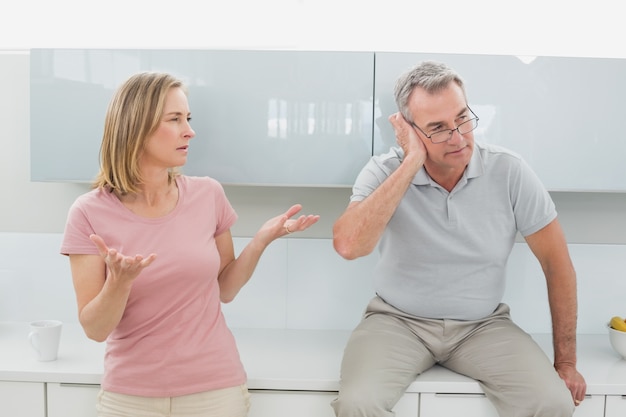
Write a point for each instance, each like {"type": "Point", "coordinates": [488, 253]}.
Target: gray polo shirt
{"type": "Point", "coordinates": [443, 254]}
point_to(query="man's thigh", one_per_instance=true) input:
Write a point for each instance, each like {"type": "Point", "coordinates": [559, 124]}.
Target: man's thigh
{"type": "Point", "coordinates": [512, 369]}
{"type": "Point", "coordinates": [382, 358]}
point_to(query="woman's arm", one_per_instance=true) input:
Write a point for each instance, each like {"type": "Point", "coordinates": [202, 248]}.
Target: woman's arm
{"type": "Point", "coordinates": [102, 285]}
{"type": "Point", "coordinates": [235, 272]}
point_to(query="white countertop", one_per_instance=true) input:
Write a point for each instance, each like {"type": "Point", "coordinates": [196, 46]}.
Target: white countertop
{"type": "Point", "coordinates": [282, 359]}
{"type": "Point", "coordinates": [79, 360]}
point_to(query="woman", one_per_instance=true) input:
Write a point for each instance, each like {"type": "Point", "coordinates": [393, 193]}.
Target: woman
{"type": "Point", "coordinates": [152, 258]}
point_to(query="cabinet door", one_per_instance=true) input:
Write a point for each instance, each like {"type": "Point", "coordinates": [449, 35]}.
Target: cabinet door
{"type": "Point", "coordinates": [456, 405]}
{"type": "Point", "coordinates": [477, 405]}
{"type": "Point", "coordinates": [267, 403]}
{"type": "Point", "coordinates": [408, 405]}
{"type": "Point", "coordinates": [593, 406]}
{"type": "Point", "coordinates": [22, 399]}
{"type": "Point", "coordinates": [260, 117]}
{"type": "Point", "coordinates": [537, 103]}
{"type": "Point", "coordinates": [72, 400]}
{"type": "Point", "coordinates": [615, 406]}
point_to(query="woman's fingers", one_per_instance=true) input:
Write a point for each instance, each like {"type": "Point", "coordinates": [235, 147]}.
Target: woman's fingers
{"type": "Point", "coordinates": [301, 223]}
{"type": "Point", "coordinates": [118, 261]}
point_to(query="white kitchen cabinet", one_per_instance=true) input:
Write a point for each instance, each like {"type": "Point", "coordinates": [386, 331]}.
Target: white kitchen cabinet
{"type": "Point", "coordinates": [540, 105]}
{"type": "Point", "coordinates": [260, 117]}
{"type": "Point", "coordinates": [456, 405]}
{"type": "Point", "coordinates": [615, 406]}
{"type": "Point", "coordinates": [408, 406]}
{"type": "Point", "coordinates": [268, 403]}
{"type": "Point", "coordinates": [593, 406]}
{"type": "Point", "coordinates": [22, 399]}
{"type": "Point", "coordinates": [71, 400]}
{"type": "Point", "coordinates": [477, 405]}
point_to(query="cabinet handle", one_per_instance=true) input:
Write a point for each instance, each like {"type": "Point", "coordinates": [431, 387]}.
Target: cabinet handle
{"type": "Point", "coordinates": [482, 394]}
{"type": "Point", "coordinates": [460, 394]}
{"type": "Point", "coordinates": [76, 385]}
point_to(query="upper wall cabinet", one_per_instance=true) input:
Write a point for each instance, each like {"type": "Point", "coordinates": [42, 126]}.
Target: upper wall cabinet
{"type": "Point", "coordinates": [563, 115]}
{"type": "Point", "coordinates": [260, 117]}
{"type": "Point", "coordinates": [311, 118]}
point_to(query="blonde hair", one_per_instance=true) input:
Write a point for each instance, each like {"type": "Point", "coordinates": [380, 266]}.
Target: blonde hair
{"type": "Point", "coordinates": [134, 113]}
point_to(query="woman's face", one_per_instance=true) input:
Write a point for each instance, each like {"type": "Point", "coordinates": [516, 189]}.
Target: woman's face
{"type": "Point", "coordinates": [167, 147]}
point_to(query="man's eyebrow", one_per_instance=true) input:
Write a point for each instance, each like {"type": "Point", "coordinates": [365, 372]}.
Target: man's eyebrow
{"type": "Point", "coordinates": [432, 124]}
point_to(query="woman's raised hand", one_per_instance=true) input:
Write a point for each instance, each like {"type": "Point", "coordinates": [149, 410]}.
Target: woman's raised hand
{"type": "Point", "coordinates": [120, 266]}
{"type": "Point", "coordinates": [283, 224]}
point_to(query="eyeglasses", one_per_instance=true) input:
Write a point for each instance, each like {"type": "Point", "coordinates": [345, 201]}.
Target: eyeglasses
{"type": "Point", "coordinates": [445, 135]}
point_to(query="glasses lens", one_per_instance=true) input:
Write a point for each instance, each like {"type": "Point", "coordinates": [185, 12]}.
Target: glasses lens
{"type": "Point", "coordinates": [468, 126]}
{"type": "Point", "coordinates": [440, 137]}
{"type": "Point", "coordinates": [446, 135]}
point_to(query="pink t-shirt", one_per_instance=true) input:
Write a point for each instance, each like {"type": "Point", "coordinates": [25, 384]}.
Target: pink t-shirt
{"type": "Point", "coordinates": [172, 339]}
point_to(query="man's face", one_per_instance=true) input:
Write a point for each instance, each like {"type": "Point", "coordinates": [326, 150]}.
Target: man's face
{"type": "Point", "coordinates": [433, 113]}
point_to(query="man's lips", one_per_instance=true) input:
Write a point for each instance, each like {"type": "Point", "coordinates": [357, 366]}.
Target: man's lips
{"type": "Point", "coordinates": [457, 150]}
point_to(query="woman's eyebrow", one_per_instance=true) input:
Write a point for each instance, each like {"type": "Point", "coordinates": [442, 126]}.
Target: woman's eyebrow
{"type": "Point", "coordinates": [175, 113]}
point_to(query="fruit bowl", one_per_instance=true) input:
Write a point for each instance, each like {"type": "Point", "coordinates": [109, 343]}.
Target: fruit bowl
{"type": "Point", "coordinates": [618, 341]}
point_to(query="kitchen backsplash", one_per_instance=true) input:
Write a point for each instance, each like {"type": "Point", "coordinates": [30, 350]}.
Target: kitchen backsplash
{"type": "Point", "coordinates": [303, 284]}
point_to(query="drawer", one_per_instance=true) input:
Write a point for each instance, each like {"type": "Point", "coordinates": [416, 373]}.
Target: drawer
{"type": "Point", "coordinates": [71, 400]}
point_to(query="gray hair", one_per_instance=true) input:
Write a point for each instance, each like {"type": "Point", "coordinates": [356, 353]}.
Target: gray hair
{"type": "Point", "coordinates": [431, 76]}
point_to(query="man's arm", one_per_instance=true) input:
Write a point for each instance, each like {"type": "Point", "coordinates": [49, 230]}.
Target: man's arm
{"type": "Point", "coordinates": [550, 248]}
{"type": "Point", "coordinates": [359, 228]}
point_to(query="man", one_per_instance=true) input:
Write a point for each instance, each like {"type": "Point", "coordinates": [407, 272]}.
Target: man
{"type": "Point", "coordinates": [444, 212]}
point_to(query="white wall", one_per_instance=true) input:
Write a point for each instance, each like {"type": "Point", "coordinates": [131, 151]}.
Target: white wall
{"type": "Point", "coordinates": [304, 284]}
{"type": "Point", "coordinates": [532, 27]}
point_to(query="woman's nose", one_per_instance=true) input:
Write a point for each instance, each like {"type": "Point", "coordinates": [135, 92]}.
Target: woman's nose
{"type": "Point", "coordinates": [190, 133]}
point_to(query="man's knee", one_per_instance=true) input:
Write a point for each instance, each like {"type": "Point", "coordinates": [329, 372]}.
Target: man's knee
{"type": "Point", "coordinates": [361, 402]}
{"type": "Point", "coordinates": [551, 401]}
{"type": "Point", "coordinates": [558, 403]}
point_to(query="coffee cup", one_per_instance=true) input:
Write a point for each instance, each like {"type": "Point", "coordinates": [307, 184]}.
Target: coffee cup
{"type": "Point", "coordinates": [44, 337]}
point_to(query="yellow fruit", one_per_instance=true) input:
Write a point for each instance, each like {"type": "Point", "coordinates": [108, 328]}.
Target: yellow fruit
{"type": "Point", "coordinates": [618, 323]}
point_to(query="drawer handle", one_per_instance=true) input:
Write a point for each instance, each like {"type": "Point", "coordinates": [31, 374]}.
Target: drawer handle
{"type": "Point", "coordinates": [75, 385]}
{"type": "Point", "coordinates": [460, 394]}
{"type": "Point", "coordinates": [481, 394]}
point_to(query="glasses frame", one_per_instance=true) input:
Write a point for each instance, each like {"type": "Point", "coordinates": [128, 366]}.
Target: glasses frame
{"type": "Point", "coordinates": [450, 130]}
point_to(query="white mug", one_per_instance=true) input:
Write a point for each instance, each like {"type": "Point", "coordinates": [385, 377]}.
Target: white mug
{"type": "Point", "coordinates": [44, 337]}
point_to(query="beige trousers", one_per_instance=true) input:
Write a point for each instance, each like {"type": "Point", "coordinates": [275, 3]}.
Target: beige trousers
{"type": "Point", "coordinates": [390, 348]}
{"type": "Point", "coordinates": [231, 402]}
